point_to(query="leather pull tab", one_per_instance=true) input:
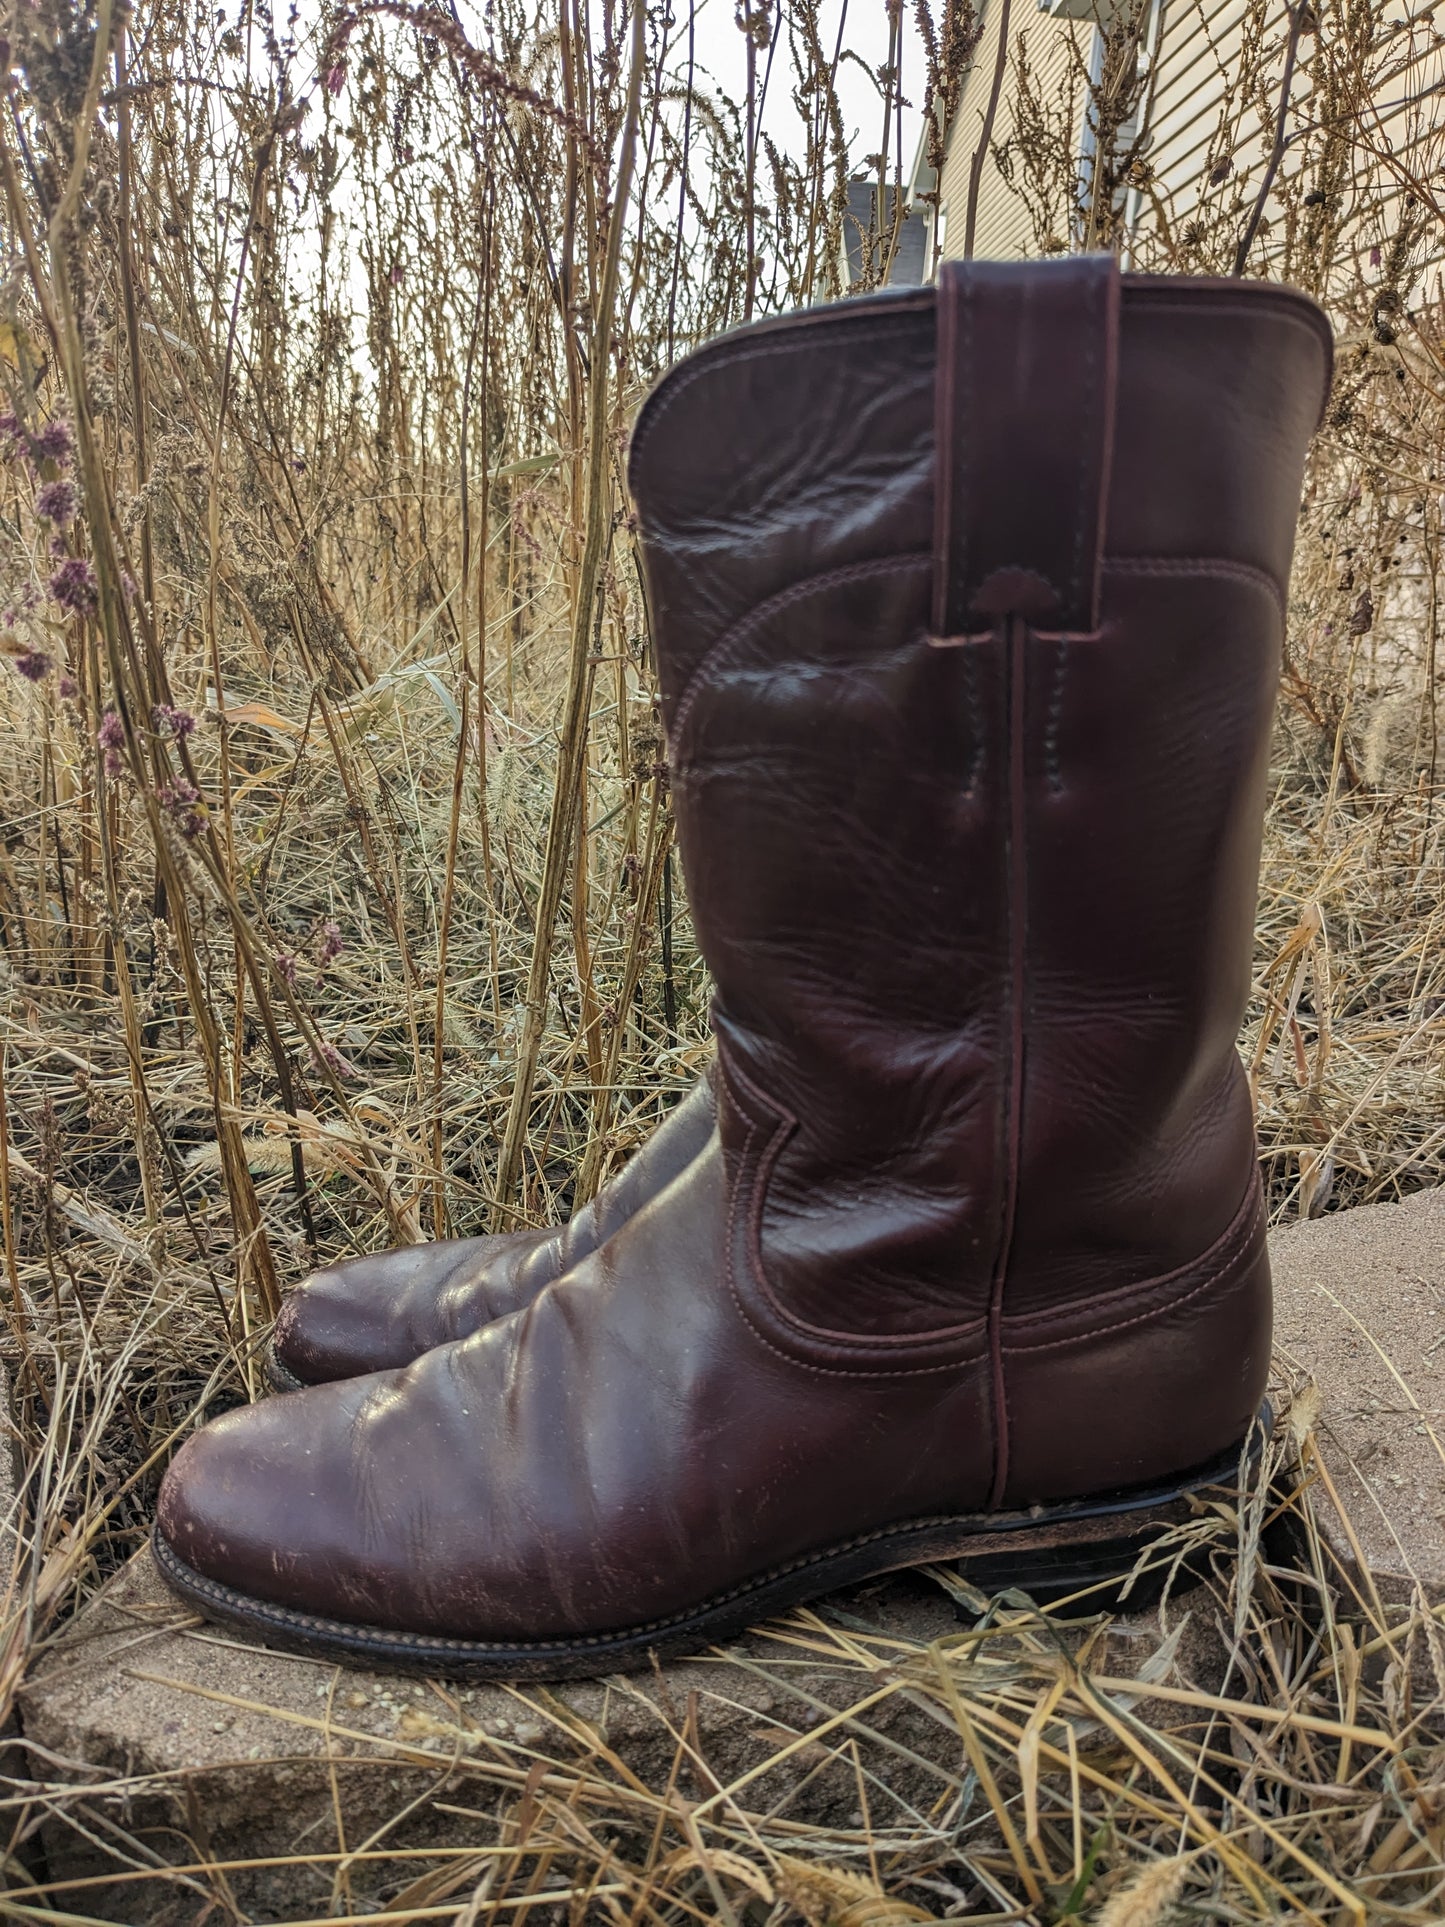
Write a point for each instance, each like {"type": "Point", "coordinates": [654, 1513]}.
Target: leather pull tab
{"type": "Point", "coordinates": [1024, 428]}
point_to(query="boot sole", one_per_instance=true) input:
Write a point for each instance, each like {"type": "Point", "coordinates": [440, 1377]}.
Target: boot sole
{"type": "Point", "coordinates": [1097, 1547]}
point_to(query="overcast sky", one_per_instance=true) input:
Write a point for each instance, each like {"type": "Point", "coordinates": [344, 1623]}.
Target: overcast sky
{"type": "Point", "coordinates": [721, 51]}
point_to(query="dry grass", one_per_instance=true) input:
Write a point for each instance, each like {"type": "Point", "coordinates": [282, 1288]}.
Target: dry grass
{"type": "Point", "coordinates": [345, 329]}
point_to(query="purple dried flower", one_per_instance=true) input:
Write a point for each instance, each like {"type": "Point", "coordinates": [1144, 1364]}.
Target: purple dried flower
{"type": "Point", "coordinates": [33, 665]}
{"type": "Point", "coordinates": [397, 275]}
{"type": "Point", "coordinates": [331, 944]}
{"type": "Point", "coordinates": [58, 502]}
{"type": "Point", "coordinates": [285, 966]}
{"type": "Point", "coordinates": [178, 724]}
{"type": "Point", "coordinates": [73, 585]}
{"type": "Point", "coordinates": [1375, 257]}
{"type": "Point", "coordinates": [328, 1056]}
{"type": "Point", "coordinates": [54, 443]}
{"type": "Point", "coordinates": [129, 587]}
{"type": "Point", "coordinates": [336, 78]}
{"type": "Point", "coordinates": [110, 738]}
{"type": "Point", "coordinates": [181, 802]}
{"type": "Point", "coordinates": [69, 687]}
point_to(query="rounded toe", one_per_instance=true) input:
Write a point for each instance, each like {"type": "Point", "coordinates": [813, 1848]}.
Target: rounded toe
{"type": "Point", "coordinates": [226, 1508]}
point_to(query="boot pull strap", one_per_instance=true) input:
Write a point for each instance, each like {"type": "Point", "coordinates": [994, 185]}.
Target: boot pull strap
{"type": "Point", "coordinates": [1024, 428]}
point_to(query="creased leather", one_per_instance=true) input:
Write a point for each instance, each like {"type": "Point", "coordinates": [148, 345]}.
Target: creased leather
{"type": "Point", "coordinates": [980, 1221]}
{"type": "Point", "coordinates": [381, 1311]}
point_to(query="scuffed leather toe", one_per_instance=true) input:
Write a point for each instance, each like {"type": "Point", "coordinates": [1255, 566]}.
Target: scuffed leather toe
{"type": "Point", "coordinates": [254, 1503]}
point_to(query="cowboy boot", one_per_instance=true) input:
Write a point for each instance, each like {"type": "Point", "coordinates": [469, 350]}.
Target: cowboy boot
{"type": "Point", "coordinates": [374, 1313]}
{"type": "Point", "coordinates": [968, 612]}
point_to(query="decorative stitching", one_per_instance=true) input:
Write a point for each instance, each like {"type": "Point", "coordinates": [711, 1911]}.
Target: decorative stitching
{"type": "Point", "coordinates": [1244, 572]}
{"type": "Point", "coordinates": [677, 381]}
{"type": "Point", "coordinates": [1014, 638]}
{"type": "Point", "coordinates": [742, 630]}
{"type": "Point", "coordinates": [1053, 719]}
{"type": "Point", "coordinates": [1282, 310]}
{"type": "Point", "coordinates": [1086, 444]}
{"type": "Point", "coordinates": [757, 1188]}
{"type": "Point", "coordinates": [1217, 1278]}
{"type": "Point", "coordinates": [1238, 1231]}
{"type": "Point", "coordinates": [978, 759]}
{"type": "Point", "coordinates": [961, 437]}
{"type": "Point", "coordinates": [943, 439]}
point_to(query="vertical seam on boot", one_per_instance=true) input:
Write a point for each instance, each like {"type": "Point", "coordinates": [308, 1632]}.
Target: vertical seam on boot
{"type": "Point", "coordinates": [978, 753]}
{"type": "Point", "coordinates": [1053, 722]}
{"type": "Point", "coordinates": [1015, 636]}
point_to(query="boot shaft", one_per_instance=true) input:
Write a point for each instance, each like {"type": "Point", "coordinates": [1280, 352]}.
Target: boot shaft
{"type": "Point", "coordinates": [968, 609]}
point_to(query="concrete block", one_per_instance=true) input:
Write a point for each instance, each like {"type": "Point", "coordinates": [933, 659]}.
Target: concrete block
{"type": "Point", "coordinates": [1360, 1308]}
{"type": "Point", "coordinates": [247, 1752]}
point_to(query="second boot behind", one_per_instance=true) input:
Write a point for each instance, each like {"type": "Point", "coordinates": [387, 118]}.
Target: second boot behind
{"type": "Point", "coordinates": [379, 1312]}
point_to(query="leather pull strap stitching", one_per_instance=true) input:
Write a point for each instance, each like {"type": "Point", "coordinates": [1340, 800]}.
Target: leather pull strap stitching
{"type": "Point", "coordinates": [1027, 359]}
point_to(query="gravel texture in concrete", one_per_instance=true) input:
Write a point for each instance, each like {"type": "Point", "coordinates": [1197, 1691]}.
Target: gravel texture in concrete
{"type": "Point", "coordinates": [1360, 1309]}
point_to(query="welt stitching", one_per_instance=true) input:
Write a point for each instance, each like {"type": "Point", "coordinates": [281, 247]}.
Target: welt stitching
{"type": "Point", "coordinates": [364, 1636]}
{"type": "Point", "coordinates": [803, 338]}
{"type": "Point", "coordinates": [1215, 1279]}
{"type": "Point", "coordinates": [742, 630]}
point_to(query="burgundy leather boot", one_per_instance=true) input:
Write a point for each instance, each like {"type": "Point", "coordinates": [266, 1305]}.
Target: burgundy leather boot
{"type": "Point", "coordinates": [968, 609]}
{"type": "Point", "coordinates": [378, 1312]}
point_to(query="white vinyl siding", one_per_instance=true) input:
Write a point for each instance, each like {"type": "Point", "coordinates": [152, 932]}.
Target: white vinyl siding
{"type": "Point", "coordinates": [1216, 60]}
{"type": "Point", "coordinates": [1005, 230]}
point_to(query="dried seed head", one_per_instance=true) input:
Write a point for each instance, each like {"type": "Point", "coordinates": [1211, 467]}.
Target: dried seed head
{"type": "Point", "coordinates": [73, 586]}
{"type": "Point", "coordinates": [58, 502]}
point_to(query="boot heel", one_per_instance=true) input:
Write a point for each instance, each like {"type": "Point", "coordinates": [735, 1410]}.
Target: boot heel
{"type": "Point", "coordinates": [1122, 1575]}
{"type": "Point", "coordinates": [1117, 1555]}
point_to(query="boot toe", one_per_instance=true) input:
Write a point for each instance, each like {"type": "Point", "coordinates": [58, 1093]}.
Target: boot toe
{"type": "Point", "coordinates": [269, 1503]}
{"type": "Point", "coordinates": [234, 1506]}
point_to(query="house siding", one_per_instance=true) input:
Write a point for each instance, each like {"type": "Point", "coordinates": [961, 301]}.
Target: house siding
{"type": "Point", "coordinates": [1214, 59]}
{"type": "Point", "coordinates": [1005, 230]}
